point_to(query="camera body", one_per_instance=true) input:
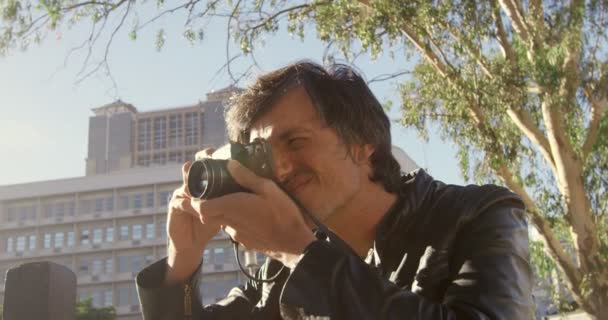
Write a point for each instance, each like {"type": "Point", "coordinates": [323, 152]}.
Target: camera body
{"type": "Point", "coordinates": [209, 178]}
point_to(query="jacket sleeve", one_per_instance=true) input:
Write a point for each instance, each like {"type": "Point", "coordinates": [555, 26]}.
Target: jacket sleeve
{"type": "Point", "coordinates": [182, 301]}
{"type": "Point", "coordinates": [493, 279]}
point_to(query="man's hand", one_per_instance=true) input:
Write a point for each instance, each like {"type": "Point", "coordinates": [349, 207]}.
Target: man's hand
{"type": "Point", "coordinates": [265, 220]}
{"type": "Point", "coordinates": [188, 234]}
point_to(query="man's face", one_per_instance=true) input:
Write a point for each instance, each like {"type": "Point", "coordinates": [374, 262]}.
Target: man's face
{"type": "Point", "coordinates": [310, 159]}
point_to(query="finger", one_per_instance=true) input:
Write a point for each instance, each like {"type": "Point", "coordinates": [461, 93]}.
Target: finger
{"type": "Point", "coordinates": [205, 153]}
{"type": "Point", "coordinates": [231, 206]}
{"type": "Point", "coordinates": [246, 178]}
{"type": "Point", "coordinates": [182, 206]}
{"type": "Point", "coordinates": [185, 169]}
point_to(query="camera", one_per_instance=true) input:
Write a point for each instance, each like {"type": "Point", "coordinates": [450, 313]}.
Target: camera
{"type": "Point", "coordinates": [209, 178]}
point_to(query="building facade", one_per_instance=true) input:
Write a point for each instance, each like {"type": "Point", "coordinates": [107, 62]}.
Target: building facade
{"type": "Point", "coordinates": [107, 225]}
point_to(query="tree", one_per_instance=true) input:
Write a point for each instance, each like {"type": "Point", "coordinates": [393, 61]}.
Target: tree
{"type": "Point", "coordinates": [519, 86]}
{"type": "Point", "coordinates": [86, 311]}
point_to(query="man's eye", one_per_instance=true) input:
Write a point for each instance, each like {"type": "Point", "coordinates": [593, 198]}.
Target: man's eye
{"type": "Point", "coordinates": [296, 142]}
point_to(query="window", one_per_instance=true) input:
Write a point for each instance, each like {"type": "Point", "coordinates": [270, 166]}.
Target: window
{"type": "Point", "coordinates": [32, 242]}
{"type": "Point", "coordinates": [99, 205]}
{"type": "Point", "coordinates": [84, 237]}
{"type": "Point", "coordinates": [82, 294]}
{"type": "Point", "coordinates": [123, 296]}
{"type": "Point", "coordinates": [137, 234]}
{"type": "Point", "coordinates": [124, 202]}
{"type": "Point", "coordinates": [176, 157]}
{"type": "Point", "coordinates": [191, 128]}
{"type": "Point", "coordinates": [123, 264]}
{"type": "Point", "coordinates": [47, 240]}
{"type": "Point", "coordinates": [23, 213]}
{"type": "Point", "coordinates": [206, 256]}
{"type": "Point", "coordinates": [175, 130]}
{"type": "Point", "coordinates": [20, 244]}
{"type": "Point", "coordinates": [164, 197]}
{"type": "Point", "coordinates": [189, 154]}
{"type": "Point", "coordinates": [84, 267]}
{"type": "Point", "coordinates": [109, 266]}
{"type": "Point", "coordinates": [70, 208]}
{"type": "Point", "coordinates": [71, 239]}
{"type": "Point", "coordinates": [58, 240]}
{"type": "Point", "coordinates": [34, 212]}
{"type": "Point", "coordinates": [107, 298]}
{"type": "Point", "coordinates": [98, 235]}
{"type": "Point", "coordinates": [219, 256]}
{"type": "Point", "coordinates": [97, 266]}
{"type": "Point", "coordinates": [159, 158]}
{"type": "Point", "coordinates": [60, 209]}
{"type": "Point", "coordinates": [162, 229]}
{"type": "Point", "coordinates": [133, 295]}
{"type": "Point", "coordinates": [110, 234]}
{"type": "Point", "coordinates": [150, 231]}
{"type": "Point", "coordinates": [110, 204]}
{"type": "Point", "coordinates": [160, 133]}
{"type": "Point", "coordinates": [150, 200]}
{"type": "Point", "coordinates": [49, 210]}
{"type": "Point", "coordinates": [138, 263]}
{"type": "Point", "coordinates": [85, 206]}
{"type": "Point", "coordinates": [11, 214]}
{"type": "Point", "coordinates": [96, 298]}
{"type": "Point", "coordinates": [9, 244]}
{"type": "Point", "coordinates": [137, 201]}
{"type": "Point", "coordinates": [124, 232]}
{"type": "Point", "coordinates": [144, 139]}
{"type": "Point", "coordinates": [144, 160]}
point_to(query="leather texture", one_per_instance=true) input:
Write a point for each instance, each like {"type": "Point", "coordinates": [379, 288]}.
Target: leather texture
{"type": "Point", "coordinates": [442, 252]}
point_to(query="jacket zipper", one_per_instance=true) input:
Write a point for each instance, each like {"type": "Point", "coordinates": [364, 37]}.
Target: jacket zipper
{"type": "Point", "coordinates": [187, 302]}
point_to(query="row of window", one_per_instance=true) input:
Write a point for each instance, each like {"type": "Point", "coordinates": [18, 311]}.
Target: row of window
{"type": "Point", "coordinates": [104, 297]}
{"type": "Point", "coordinates": [60, 209]}
{"type": "Point", "coordinates": [161, 158]}
{"type": "Point", "coordinates": [125, 263]}
{"type": "Point", "coordinates": [85, 237]}
{"type": "Point", "coordinates": [180, 132]}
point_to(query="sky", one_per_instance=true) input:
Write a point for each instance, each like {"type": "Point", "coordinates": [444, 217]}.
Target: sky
{"type": "Point", "coordinates": [44, 111]}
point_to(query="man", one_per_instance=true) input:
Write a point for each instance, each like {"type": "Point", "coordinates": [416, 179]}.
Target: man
{"type": "Point", "coordinates": [417, 248]}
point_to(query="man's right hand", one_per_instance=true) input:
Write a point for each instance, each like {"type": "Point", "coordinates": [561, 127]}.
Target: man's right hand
{"type": "Point", "coordinates": [187, 234]}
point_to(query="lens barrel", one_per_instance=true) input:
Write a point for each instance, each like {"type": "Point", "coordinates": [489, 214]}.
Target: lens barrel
{"type": "Point", "coordinates": [209, 178]}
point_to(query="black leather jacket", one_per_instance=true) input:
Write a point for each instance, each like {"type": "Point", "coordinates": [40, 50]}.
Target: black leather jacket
{"type": "Point", "coordinates": [442, 252]}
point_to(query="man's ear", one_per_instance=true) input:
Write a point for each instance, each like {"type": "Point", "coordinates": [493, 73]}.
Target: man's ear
{"type": "Point", "coordinates": [362, 153]}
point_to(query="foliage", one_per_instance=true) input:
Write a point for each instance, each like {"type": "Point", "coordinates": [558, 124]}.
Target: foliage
{"type": "Point", "coordinates": [86, 311]}
{"type": "Point", "coordinates": [519, 86]}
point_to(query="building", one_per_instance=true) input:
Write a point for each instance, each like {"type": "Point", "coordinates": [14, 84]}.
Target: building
{"type": "Point", "coordinates": [107, 225]}
{"type": "Point", "coordinates": [122, 138]}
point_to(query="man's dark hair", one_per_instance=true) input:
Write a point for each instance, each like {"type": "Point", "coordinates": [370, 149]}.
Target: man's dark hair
{"type": "Point", "coordinates": [343, 101]}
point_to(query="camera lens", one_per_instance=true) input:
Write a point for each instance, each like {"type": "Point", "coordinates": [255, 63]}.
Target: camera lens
{"type": "Point", "coordinates": [209, 178]}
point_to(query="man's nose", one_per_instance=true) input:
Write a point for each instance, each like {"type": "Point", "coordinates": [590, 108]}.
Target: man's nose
{"type": "Point", "coordinates": [282, 164]}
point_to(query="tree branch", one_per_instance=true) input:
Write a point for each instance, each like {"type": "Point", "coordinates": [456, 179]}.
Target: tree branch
{"type": "Point", "coordinates": [571, 186]}
{"type": "Point", "coordinates": [598, 107]}
{"type": "Point", "coordinates": [552, 244]}
{"type": "Point", "coordinates": [503, 39]}
{"type": "Point", "coordinates": [516, 18]}
{"type": "Point", "coordinates": [524, 122]}
{"type": "Point", "coordinates": [518, 24]}
{"type": "Point", "coordinates": [384, 77]}
{"type": "Point", "coordinates": [473, 51]}
{"type": "Point", "coordinates": [286, 10]}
